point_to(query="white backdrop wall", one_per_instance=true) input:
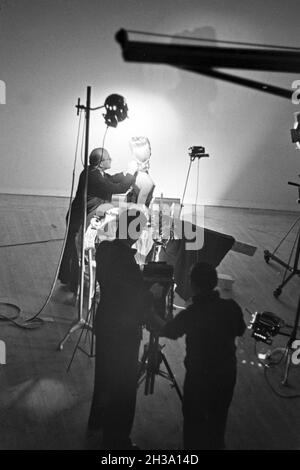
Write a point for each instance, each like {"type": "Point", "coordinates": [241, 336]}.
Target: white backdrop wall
{"type": "Point", "coordinates": [51, 50]}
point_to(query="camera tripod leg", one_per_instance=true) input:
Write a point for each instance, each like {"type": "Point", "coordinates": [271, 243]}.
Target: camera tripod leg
{"type": "Point", "coordinates": [149, 384]}
{"type": "Point", "coordinates": [143, 366]}
{"type": "Point", "coordinates": [286, 280]}
{"type": "Point", "coordinates": [152, 364]}
{"type": "Point", "coordinates": [292, 268]}
{"type": "Point", "coordinates": [146, 371]}
{"type": "Point", "coordinates": [149, 367]}
{"type": "Point", "coordinates": [171, 375]}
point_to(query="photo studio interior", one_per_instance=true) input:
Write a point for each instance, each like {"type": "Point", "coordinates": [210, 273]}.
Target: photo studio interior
{"type": "Point", "coordinates": [150, 226]}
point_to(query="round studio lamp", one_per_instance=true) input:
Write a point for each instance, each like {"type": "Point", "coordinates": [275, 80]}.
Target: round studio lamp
{"type": "Point", "coordinates": [116, 110]}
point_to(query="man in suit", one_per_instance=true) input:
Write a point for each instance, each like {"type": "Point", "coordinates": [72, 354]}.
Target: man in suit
{"type": "Point", "coordinates": [101, 187]}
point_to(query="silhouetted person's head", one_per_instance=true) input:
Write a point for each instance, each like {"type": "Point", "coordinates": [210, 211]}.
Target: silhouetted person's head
{"type": "Point", "coordinates": [203, 278]}
{"type": "Point", "coordinates": [131, 223]}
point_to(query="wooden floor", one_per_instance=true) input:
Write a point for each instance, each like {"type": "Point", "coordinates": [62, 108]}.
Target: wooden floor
{"type": "Point", "coordinates": [42, 406]}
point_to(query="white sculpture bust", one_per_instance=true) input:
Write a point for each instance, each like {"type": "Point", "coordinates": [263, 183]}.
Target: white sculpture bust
{"type": "Point", "coordinates": [144, 185]}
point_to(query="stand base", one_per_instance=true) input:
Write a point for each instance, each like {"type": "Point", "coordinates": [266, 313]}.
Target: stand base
{"type": "Point", "coordinates": [81, 322]}
{"type": "Point", "coordinates": [294, 270]}
{"type": "Point", "coordinates": [76, 326]}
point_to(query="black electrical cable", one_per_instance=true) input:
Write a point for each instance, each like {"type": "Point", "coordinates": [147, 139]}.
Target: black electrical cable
{"type": "Point", "coordinates": [32, 243]}
{"type": "Point", "coordinates": [33, 318]}
{"type": "Point", "coordinates": [50, 239]}
{"type": "Point", "coordinates": [281, 395]}
{"type": "Point", "coordinates": [29, 322]}
{"type": "Point", "coordinates": [14, 318]}
{"type": "Point", "coordinates": [219, 41]}
{"type": "Point", "coordinates": [103, 142]}
{"type": "Point", "coordinates": [270, 365]}
{"type": "Point", "coordinates": [82, 149]}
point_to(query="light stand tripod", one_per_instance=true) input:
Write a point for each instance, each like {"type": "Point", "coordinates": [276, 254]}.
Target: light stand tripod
{"type": "Point", "coordinates": [292, 268]}
{"type": "Point", "coordinates": [116, 111]}
{"type": "Point", "coordinates": [88, 326]}
{"type": "Point", "coordinates": [80, 320]}
{"type": "Point", "coordinates": [194, 152]}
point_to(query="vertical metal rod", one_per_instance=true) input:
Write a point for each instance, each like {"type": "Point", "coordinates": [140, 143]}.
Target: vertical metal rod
{"type": "Point", "coordinates": [184, 191]}
{"type": "Point", "coordinates": [86, 156]}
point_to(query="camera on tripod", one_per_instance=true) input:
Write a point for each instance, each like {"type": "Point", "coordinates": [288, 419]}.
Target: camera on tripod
{"type": "Point", "coordinates": [197, 152]}
{"type": "Point", "coordinates": [161, 273]}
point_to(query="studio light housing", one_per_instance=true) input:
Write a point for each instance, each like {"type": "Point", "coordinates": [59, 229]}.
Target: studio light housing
{"type": "Point", "coordinates": [116, 110]}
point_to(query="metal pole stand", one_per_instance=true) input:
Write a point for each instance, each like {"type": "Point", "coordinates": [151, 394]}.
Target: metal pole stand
{"type": "Point", "coordinates": [194, 152]}
{"type": "Point", "coordinates": [80, 320]}
{"type": "Point", "coordinates": [89, 329]}
{"type": "Point", "coordinates": [293, 268]}
{"type": "Point", "coordinates": [150, 363]}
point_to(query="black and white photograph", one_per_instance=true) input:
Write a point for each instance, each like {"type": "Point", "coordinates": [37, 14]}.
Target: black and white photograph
{"type": "Point", "coordinates": [150, 228]}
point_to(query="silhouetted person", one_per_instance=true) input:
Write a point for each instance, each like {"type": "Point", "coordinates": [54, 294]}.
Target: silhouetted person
{"type": "Point", "coordinates": [211, 325]}
{"type": "Point", "coordinates": [124, 302]}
